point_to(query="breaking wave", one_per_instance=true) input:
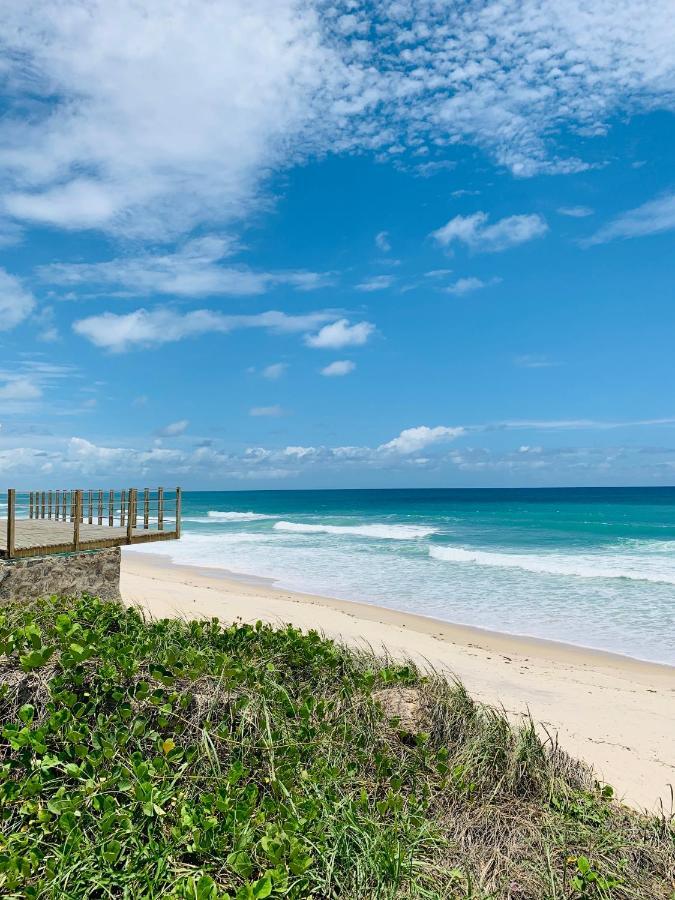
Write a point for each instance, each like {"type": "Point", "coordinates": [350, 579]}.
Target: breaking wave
{"type": "Point", "coordinates": [214, 515]}
{"type": "Point", "coordinates": [579, 566]}
{"type": "Point", "coordinates": [376, 530]}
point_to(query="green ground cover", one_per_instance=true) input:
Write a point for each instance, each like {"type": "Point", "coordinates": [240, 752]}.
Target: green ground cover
{"type": "Point", "coordinates": [165, 759]}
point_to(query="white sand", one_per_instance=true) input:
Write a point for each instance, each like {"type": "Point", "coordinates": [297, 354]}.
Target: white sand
{"type": "Point", "coordinates": [616, 713]}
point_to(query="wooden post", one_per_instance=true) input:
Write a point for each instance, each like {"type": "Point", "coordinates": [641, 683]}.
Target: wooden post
{"type": "Point", "coordinates": [146, 508]}
{"type": "Point", "coordinates": [30, 514]}
{"type": "Point", "coordinates": [100, 507]}
{"type": "Point", "coordinates": [135, 515]}
{"type": "Point", "coordinates": [76, 522]}
{"type": "Point", "coordinates": [91, 508]}
{"type": "Point", "coordinates": [72, 506]}
{"type": "Point", "coordinates": [123, 503]}
{"type": "Point", "coordinates": [50, 504]}
{"type": "Point", "coordinates": [64, 514]}
{"type": "Point", "coordinates": [43, 505]}
{"type": "Point", "coordinates": [57, 508]}
{"type": "Point", "coordinates": [160, 509]}
{"type": "Point", "coordinates": [11, 522]}
{"type": "Point", "coordinates": [178, 510]}
{"type": "Point", "coordinates": [111, 508]}
{"type": "Point", "coordinates": [132, 514]}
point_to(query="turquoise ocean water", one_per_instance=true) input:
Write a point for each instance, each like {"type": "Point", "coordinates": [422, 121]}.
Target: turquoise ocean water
{"type": "Point", "coordinates": [593, 567]}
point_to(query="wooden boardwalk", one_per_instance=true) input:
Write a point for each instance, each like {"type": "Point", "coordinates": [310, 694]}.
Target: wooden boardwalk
{"type": "Point", "coordinates": [68, 522]}
{"type": "Point", "coordinates": [41, 536]}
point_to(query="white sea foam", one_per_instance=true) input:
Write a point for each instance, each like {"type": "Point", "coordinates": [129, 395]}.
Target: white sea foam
{"type": "Point", "coordinates": [237, 537]}
{"type": "Point", "coordinates": [203, 549]}
{"type": "Point", "coordinates": [580, 566]}
{"type": "Point", "coordinates": [633, 617]}
{"type": "Point", "coordinates": [640, 545]}
{"type": "Point", "coordinates": [215, 515]}
{"type": "Point", "coordinates": [376, 530]}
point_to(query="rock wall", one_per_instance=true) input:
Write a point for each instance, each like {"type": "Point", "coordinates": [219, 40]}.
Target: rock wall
{"type": "Point", "coordinates": [95, 572]}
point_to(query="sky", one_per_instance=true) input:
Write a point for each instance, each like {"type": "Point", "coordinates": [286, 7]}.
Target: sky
{"type": "Point", "coordinates": [296, 244]}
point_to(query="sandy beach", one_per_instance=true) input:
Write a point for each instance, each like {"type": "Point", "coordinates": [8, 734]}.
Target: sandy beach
{"type": "Point", "coordinates": [616, 713]}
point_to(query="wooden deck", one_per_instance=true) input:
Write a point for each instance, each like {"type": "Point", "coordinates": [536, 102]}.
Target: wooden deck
{"type": "Point", "coordinates": [39, 523]}
{"type": "Point", "coordinates": [42, 536]}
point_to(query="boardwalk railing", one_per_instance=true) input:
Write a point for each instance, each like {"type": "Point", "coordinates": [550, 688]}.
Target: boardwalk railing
{"type": "Point", "coordinates": [33, 523]}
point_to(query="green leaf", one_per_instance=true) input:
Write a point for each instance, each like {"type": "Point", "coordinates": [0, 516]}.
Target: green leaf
{"type": "Point", "coordinates": [35, 659]}
{"type": "Point", "coordinates": [111, 851]}
{"type": "Point", "coordinates": [241, 863]}
{"type": "Point", "coordinates": [27, 713]}
{"type": "Point", "coordinates": [262, 887]}
{"type": "Point", "coordinates": [206, 888]}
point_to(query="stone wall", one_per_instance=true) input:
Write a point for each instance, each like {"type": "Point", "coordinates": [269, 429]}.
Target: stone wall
{"type": "Point", "coordinates": [95, 572]}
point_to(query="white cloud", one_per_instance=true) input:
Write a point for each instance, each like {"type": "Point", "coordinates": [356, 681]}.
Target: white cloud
{"type": "Point", "coordinates": [427, 169]}
{"type": "Point", "coordinates": [26, 459]}
{"type": "Point", "coordinates": [376, 283]}
{"type": "Point", "coordinates": [16, 301]}
{"type": "Point", "coordinates": [476, 234]}
{"type": "Point", "coordinates": [25, 382]}
{"type": "Point", "coordinates": [467, 285]}
{"type": "Point", "coordinates": [86, 457]}
{"type": "Point", "coordinates": [48, 333]}
{"type": "Point", "coordinates": [174, 127]}
{"type": "Point", "coordinates": [19, 389]}
{"type": "Point", "coordinates": [161, 325]}
{"type": "Point", "coordinates": [174, 429]}
{"type": "Point", "coordinates": [194, 270]}
{"type": "Point", "coordinates": [438, 273]}
{"type": "Point", "coordinates": [412, 440]}
{"type": "Point", "coordinates": [421, 445]}
{"type": "Point", "coordinates": [274, 371]}
{"type": "Point", "coordinates": [180, 126]}
{"type": "Point", "coordinates": [382, 241]}
{"type": "Point", "coordinates": [272, 411]}
{"type": "Point", "coordinates": [581, 424]}
{"type": "Point", "coordinates": [339, 367]}
{"type": "Point", "coordinates": [82, 203]}
{"type": "Point", "coordinates": [341, 334]}
{"type": "Point", "coordinates": [653, 217]}
{"type": "Point", "coordinates": [576, 212]}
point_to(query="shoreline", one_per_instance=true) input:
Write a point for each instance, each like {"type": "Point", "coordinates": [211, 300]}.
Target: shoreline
{"type": "Point", "coordinates": [548, 648]}
{"type": "Point", "coordinates": [611, 710]}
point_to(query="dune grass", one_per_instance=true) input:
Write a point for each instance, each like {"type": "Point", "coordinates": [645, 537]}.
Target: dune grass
{"type": "Point", "coordinates": [165, 759]}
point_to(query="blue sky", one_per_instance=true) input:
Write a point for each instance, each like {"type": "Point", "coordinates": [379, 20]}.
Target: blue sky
{"type": "Point", "coordinates": [296, 244]}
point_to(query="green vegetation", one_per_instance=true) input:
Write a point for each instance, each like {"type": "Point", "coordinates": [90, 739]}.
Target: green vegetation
{"type": "Point", "coordinates": [191, 760]}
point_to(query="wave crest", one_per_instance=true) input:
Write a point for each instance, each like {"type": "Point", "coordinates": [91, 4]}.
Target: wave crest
{"type": "Point", "coordinates": [577, 566]}
{"type": "Point", "coordinates": [215, 515]}
{"type": "Point", "coordinates": [375, 530]}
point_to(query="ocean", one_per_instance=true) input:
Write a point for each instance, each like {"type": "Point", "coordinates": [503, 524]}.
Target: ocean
{"type": "Point", "coordinates": [593, 567]}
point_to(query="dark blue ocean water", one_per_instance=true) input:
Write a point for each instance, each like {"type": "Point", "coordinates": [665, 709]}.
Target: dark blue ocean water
{"type": "Point", "coordinates": [594, 567]}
